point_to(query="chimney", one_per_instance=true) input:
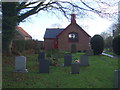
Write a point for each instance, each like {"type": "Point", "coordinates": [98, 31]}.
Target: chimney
{"type": "Point", "coordinates": [73, 18]}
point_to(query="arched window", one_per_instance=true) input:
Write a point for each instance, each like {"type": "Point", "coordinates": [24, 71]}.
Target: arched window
{"type": "Point", "coordinates": [73, 37]}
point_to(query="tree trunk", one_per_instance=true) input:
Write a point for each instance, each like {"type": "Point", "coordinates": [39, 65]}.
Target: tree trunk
{"type": "Point", "coordinates": [10, 47]}
{"type": "Point", "coordinates": [9, 22]}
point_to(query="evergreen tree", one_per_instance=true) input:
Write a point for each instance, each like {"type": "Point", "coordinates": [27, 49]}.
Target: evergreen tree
{"type": "Point", "coordinates": [116, 45]}
{"type": "Point", "coordinates": [97, 44]}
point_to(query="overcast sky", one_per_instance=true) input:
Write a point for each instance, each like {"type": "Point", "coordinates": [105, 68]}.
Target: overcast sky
{"type": "Point", "coordinates": [36, 25]}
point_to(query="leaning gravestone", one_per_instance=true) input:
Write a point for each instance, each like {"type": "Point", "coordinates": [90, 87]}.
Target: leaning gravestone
{"type": "Point", "coordinates": [75, 68]}
{"type": "Point", "coordinates": [67, 60]}
{"type": "Point", "coordinates": [44, 66]}
{"type": "Point", "coordinates": [84, 60]}
{"type": "Point", "coordinates": [20, 64]}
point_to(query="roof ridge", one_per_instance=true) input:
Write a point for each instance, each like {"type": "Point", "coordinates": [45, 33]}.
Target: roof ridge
{"type": "Point", "coordinates": [22, 31]}
{"type": "Point", "coordinates": [83, 30]}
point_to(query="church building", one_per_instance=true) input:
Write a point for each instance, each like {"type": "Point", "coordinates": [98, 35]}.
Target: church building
{"type": "Point", "coordinates": [65, 38]}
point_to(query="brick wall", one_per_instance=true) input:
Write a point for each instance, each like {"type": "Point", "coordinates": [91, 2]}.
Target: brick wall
{"type": "Point", "coordinates": [82, 44]}
{"type": "Point", "coordinates": [48, 44]}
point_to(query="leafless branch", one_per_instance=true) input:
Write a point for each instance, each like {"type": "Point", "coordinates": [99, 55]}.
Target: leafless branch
{"type": "Point", "coordinates": [62, 6]}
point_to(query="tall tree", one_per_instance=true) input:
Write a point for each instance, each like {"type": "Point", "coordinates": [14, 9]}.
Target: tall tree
{"type": "Point", "coordinates": [9, 21]}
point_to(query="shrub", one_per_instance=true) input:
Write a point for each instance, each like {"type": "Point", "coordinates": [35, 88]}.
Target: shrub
{"type": "Point", "coordinates": [55, 53]}
{"type": "Point", "coordinates": [29, 44]}
{"type": "Point", "coordinates": [79, 51]}
{"type": "Point", "coordinates": [48, 53]}
{"type": "Point", "coordinates": [116, 45]}
{"type": "Point", "coordinates": [26, 46]}
{"type": "Point", "coordinates": [18, 45]}
{"type": "Point", "coordinates": [97, 44]}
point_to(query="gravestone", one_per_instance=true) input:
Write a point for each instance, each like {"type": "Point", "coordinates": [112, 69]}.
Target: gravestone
{"type": "Point", "coordinates": [67, 60]}
{"type": "Point", "coordinates": [117, 78]}
{"type": "Point", "coordinates": [41, 56]}
{"type": "Point", "coordinates": [44, 66]}
{"type": "Point", "coordinates": [75, 68]}
{"type": "Point", "coordinates": [20, 64]}
{"type": "Point", "coordinates": [84, 60]}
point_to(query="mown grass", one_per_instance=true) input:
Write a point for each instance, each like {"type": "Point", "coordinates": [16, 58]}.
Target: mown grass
{"type": "Point", "coordinates": [100, 74]}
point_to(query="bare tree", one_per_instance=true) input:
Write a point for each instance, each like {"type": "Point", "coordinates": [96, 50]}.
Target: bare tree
{"type": "Point", "coordinates": [100, 7]}
{"type": "Point", "coordinates": [105, 34]}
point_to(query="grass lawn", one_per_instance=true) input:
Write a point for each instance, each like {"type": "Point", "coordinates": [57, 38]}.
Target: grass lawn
{"type": "Point", "coordinates": [100, 74]}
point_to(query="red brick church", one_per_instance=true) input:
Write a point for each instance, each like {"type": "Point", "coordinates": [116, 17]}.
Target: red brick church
{"type": "Point", "coordinates": [63, 39]}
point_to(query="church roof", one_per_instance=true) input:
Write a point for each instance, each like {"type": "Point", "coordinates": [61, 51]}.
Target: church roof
{"type": "Point", "coordinates": [52, 32]}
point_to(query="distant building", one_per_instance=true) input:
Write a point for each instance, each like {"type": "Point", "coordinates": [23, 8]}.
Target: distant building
{"type": "Point", "coordinates": [21, 34]}
{"type": "Point", "coordinates": [64, 39]}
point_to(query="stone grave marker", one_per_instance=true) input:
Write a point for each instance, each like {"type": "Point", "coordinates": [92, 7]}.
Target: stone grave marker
{"type": "Point", "coordinates": [20, 64]}
{"type": "Point", "coordinates": [44, 66]}
{"type": "Point", "coordinates": [84, 60]}
{"type": "Point", "coordinates": [67, 60]}
{"type": "Point", "coordinates": [117, 78]}
{"type": "Point", "coordinates": [41, 56]}
{"type": "Point", "coordinates": [75, 68]}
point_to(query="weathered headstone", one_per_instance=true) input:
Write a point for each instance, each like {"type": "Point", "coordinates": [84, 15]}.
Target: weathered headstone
{"type": "Point", "coordinates": [41, 56]}
{"type": "Point", "coordinates": [44, 66]}
{"type": "Point", "coordinates": [67, 60]}
{"type": "Point", "coordinates": [20, 64]}
{"type": "Point", "coordinates": [84, 60]}
{"type": "Point", "coordinates": [117, 78]}
{"type": "Point", "coordinates": [75, 68]}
